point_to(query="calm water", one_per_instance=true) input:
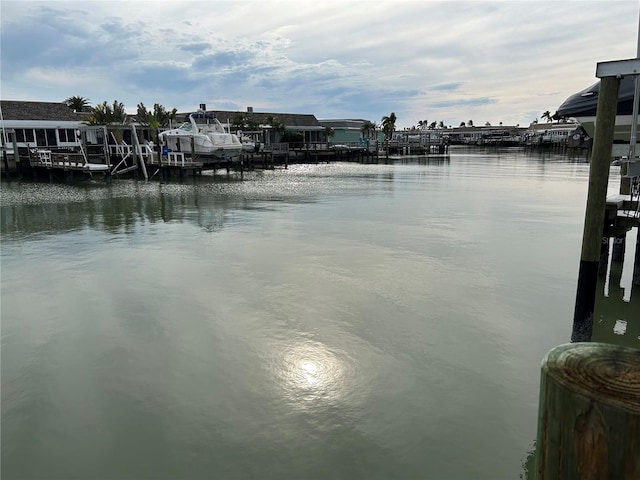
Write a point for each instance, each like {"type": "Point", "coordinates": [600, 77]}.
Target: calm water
{"type": "Point", "coordinates": [328, 321]}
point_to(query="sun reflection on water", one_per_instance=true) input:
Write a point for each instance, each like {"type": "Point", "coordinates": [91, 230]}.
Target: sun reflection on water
{"type": "Point", "coordinates": [310, 371]}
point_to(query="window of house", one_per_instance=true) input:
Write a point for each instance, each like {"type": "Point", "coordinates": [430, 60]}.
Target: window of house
{"type": "Point", "coordinates": [41, 138]}
{"type": "Point", "coordinates": [52, 141]}
{"type": "Point", "coordinates": [67, 135]}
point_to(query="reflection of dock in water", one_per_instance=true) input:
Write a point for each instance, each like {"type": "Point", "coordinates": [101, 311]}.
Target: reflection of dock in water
{"type": "Point", "coordinates": [617, 307]}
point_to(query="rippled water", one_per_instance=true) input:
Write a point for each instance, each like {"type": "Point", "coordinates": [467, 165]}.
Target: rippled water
{"type": "Point", "coordinates": [326, 321]}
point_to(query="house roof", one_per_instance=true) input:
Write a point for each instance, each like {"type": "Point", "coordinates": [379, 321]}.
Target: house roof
{"type": "Point", "coordinates": [289, 119]}
{"type": "Point", "coordinates": [18, 110]}
{"type": "Point", "coordinates": [342, 123]}
{"type": "Point", "coordinates": [54, 111]}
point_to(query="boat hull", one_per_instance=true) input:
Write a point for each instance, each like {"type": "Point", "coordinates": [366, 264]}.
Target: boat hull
{"type": "Point", "coordinates": [583, 106]}
{"type": "Point", "coordinates": [621, 130]}
{"type": "Point", "coordinates": [209, 142]}
{"type": "Point", "coordinates": [202, 147]}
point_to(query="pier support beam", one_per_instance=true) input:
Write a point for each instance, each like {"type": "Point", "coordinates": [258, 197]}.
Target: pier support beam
{"type": "Point", "coordinates": [595, 211]}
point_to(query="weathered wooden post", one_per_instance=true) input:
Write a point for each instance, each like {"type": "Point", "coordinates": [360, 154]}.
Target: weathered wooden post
{"type": "Point", "coordinates": [5, 160]}
{"type": "Point", "coordinates": [594, 216]}
{"type": "Point", "coordinates": [589, 414]}
{"type": "Point", "coordinates": [16, 157]}
{"type": "Point", "coordinates": [105, 147]}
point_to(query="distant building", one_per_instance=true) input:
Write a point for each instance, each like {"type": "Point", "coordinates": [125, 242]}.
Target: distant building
{"type": "Point", "coordinates": [349, 131]}
{"type": "Point", "coordinates": [551, 133]}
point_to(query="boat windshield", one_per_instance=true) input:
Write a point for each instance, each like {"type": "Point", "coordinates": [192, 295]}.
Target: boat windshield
{"type": "Point", "coordinates": [186, 126]}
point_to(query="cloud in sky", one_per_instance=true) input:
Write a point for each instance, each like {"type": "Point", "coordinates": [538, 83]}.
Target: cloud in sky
{"type": "Point", "coordinates": [451, 61]}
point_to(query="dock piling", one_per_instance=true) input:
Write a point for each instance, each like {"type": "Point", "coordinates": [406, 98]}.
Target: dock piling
{"type": "Point", "coordinates": [589, 413]}
{"type": "Point", "coordinates": [595, 210]}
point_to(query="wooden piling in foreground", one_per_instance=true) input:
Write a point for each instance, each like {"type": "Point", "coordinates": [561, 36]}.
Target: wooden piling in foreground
{"type": "Point", "coordinates": [595, 211]}
{"type": "Point", "coordinates": [589, 413]}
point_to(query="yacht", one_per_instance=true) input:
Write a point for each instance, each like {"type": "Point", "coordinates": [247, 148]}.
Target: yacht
{"type": "Point", "coordinates": [207, 140]}
{"type": "Point", "coordinates": [583, 104]}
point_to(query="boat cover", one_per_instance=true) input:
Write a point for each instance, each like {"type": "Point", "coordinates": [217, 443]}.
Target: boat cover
{"type": "Point", "coordinates": [585, 102]}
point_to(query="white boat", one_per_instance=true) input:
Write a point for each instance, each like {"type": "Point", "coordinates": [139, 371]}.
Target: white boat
{"type": "Point", "coordinates": [208, 140]}
{"type": "Point", "coordinates": [583, 105]}
{"type": "Point", "coordinates": [248, 145]}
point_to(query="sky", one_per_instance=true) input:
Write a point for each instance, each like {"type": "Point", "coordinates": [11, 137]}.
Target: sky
{"type": "Point", "coordinates": [450, 61]}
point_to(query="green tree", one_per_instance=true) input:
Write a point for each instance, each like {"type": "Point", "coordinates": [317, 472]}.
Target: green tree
{"type": "Point", "coordinates": [105, 114]}
{"type": "Point", "coordinates": [238, 121]}
{"type": "Point", "coordinates": [462, 124]}
{"type": "Point", "coordinates": [329, 133]}
{"type": "Point", "coordinates": [368, 129]}
{"type": "Point", "coordinates": [245, 122]}
{"type": "Point", "coordinates": [389, 125]}
{"type": "Point", "coordinates": [157, 118]}
{"type": "Point", "coordinates": [77, 103]}
{"type": "Point", "coordinates": [470, 123]}
{"type": "Point", "coordinates": [292, 137]}
{"type": "Point", "coordinates": [548, 116]}
{"type": "Point", "coordinates": [277, 126]}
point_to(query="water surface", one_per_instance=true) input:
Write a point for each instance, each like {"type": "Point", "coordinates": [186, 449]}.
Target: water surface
{"type": "Point", "coordinates": [326, 321]}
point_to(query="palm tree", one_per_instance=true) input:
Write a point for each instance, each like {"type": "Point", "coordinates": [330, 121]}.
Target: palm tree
{"type": "Point", "coordinates": [105, 114]}
{"type": "Point", "coordinates": [470, 123]}
{"type": "Point", "coordinates": [389, 125]}
{"type": "Point", "coordinates": [156, 119]}
{"type": "Point", "coordinates": [368, 129]}
{"type": "Point", "coordinates": [462, 124]}
{"type": "Point", "coordinates": [77, 103]}
{"type": "Point", "coordinates": [547, 115]}
{"type": "Point", "coordinates": [329, 133]}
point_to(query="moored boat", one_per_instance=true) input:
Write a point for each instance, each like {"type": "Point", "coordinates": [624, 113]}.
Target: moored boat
{"type": "Point", "coordinates": [208, 139]}
{"type": "Point", "coordinates": [583, 105]}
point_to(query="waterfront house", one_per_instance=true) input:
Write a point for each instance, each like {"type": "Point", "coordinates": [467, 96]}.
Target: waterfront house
{"type": "Point", "coordinates": [38, 124]}
{"type": "Point", "coordinates": [259, 124]}
{"type": "Point", "coordinates": [349, 132]}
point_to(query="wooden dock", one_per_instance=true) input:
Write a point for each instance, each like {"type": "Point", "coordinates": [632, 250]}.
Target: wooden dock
{"type": "Point", "coordinates": [622, 213]}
